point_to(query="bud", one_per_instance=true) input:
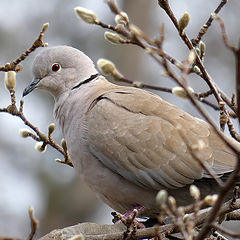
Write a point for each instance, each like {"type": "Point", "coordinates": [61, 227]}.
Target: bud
{"type": "Point", "coordinates": [198, 51]}
{"type": "Point", "coordinates": [161, 197]}
{"type": "Point", "coordinates": [30, 210]}
{"type": "Point", "coordinates": [51, 128]}
{"type": "Point", "coordinates": [191, 56]}
{"type": "Point", "coordinates": [214, 15]}
{"type": "Point", "coordinates": [86, 15]}
{"type": "Point", "coordinates": [180, 92]}
{"type": "Point", "coordinates": [172, 202]}
{"type": "Point", "coordinates": [202, 46]}
{"type": "Point", "coordinates": [113, 38]}
{"type": "Point", "coordinates": [24, 132]}
{"type": "Point", "coordinates": [121, 18]}
{"type": "Point", "coordinates": [211, 199]}
{"type": "Point", "coordinates": [183, 22]}
{"type": "Point", "coordinates": [137, 84]}
{"type": "Point", "coordinates": [181, 211]}
{"type": "Point", "coordinates": [105, 66]}
{"type": "Point", "coordinates": [196, 69]}
{"type": "Point", "coordinates": [41, 147]}
{"type": "Point", "coordinates": [136, 30]}
{"type": "Point", "coordinates": [10, 80]}
{"type": "Point", "coordinates": [108, 68]}
{"type": "Point", "coordinates": [45, 26]}
{"type": "Point", "coordinates": [64, 145]}
{"type": "Point", "coordinates": [113, 6]}
{"type": "Point", "coordinates": [194, 192]}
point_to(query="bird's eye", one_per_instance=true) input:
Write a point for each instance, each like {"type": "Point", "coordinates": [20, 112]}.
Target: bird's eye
{"type": "Point", "coordinates": [56, 67]}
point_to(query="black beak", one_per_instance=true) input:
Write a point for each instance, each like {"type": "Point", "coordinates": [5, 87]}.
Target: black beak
{"type": "Point", "coordinates": [31, 86]}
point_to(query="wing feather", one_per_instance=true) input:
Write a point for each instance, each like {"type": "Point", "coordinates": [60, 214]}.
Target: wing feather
{"type": "Point", "coordinates": [137, 136]}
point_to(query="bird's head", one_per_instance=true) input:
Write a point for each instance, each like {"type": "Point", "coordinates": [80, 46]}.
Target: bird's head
{"type": "Point", "coordinates": [59, 69]}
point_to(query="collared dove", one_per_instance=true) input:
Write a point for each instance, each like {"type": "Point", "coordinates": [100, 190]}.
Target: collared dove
{"type": "Point", "coordinates": [125, 142]}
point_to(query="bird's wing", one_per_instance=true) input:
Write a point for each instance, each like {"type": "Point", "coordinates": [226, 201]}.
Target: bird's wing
{"type": "Point", "coordinates": [139, 136]}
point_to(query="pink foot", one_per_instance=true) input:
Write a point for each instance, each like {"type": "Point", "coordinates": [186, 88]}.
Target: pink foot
{"type": "Point", "coordinates": [129, 214]}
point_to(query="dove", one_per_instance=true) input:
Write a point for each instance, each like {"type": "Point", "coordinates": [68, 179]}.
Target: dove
{"type": "Point", "coordinates": [127, 143]}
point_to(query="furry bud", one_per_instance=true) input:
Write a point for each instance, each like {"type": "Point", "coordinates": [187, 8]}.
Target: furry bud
{"type": "Point", "coordinates": [10, 80]}
{"type": "Point", "coordinates": [180, 92]}
{"type": "Point", "coordinates": [41, 147]}
{"type": "Point", "coordinates": [113, 38]}
{"type": "Point", "coordinates": [86, 15]}
{"type": "Point", "coordinates": [195, 192]}
{"type": "Point", "coordinates": [183, 22]}
{"type": "Point", "coordinates": [108, 68]}
{"type": "Point", "coordinates": [121, 18]}
{"type": "Point", "coordinates": [162, 197]}
{"type": "Point", "coordinates": [51, 128]}
{"type": "Point", "coordinates": [24, 132]}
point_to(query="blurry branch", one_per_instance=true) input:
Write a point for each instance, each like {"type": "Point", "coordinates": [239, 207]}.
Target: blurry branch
{"type": "Point", "coordinates": [225, 231]}
{"type": "Point", "coordinates": [205, 27]}
{"type": "Point", "coordinates": [14, 65]}
{"type": "Point", "coordinates": [34, 223]}
{"type": "Point", "coordinates": [224, 34]}
{"type": "Point", "coordinates": [10, 82]}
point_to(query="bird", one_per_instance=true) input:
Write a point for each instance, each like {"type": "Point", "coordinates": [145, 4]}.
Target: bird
{"type": "Point", "coordinates": [127, 143]}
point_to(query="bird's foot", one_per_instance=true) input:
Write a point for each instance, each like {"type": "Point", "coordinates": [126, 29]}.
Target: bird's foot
{"type": "Point", "coordinates": [129, 218]}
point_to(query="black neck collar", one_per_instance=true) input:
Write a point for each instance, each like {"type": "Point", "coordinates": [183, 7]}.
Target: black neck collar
{"type": "Point", "coordinates": [87, 80]}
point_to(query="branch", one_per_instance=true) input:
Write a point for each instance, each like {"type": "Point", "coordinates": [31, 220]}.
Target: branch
{"type": "Point", "coordinates": [34, 223]}
{"type": "Point", "coordinates": [14, 65]}
{"type": "Point", "coordinates": [205, 27]}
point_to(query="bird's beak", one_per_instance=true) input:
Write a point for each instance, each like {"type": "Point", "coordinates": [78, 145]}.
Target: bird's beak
{"type": "Point", "coordinates": [31, 86]}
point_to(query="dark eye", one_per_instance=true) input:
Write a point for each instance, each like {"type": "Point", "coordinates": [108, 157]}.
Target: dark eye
{"type": "Point", "coordinates": [56, 67]}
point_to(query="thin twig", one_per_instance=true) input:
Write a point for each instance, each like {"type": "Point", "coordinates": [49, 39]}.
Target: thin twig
{"type": "Point", "coordinates": [208, 23]}
{"type": "Point", "coordinates": [34, 223]}
{"type": "Point", "coordinates": [14, 65]}
{"type": "Point", "coordinates": [226, 231]}
{"type": "Point", "coordinates": [224, 35]}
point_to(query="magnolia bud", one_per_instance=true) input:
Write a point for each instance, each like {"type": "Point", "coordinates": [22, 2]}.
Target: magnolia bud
{"type": "Point", "coordinates": [105, 66]}
{"type": "Point", "coordinates": [191, 56]}
{"type": "Point", "coordinates": [194, 191]}
{"type": "Point", "coordinates": [86, 15]}
{"type": "Point", "coordinates": [41, 147]}
{"type": "Point", "coordinates": [214, 15]}
{"type": "Point", "coordinates": [172, 202]}
{"type": "Point", "coordinates": [137, 84]}
{"type": "Point", "coordinates": [180, 92]}
{"type": "Point", "coordinates": [10, 80]}
{"type": "Point", "coordinates": [161, 197]}
{"type": "Point", "coordinates": [121, 18]}
{"type": "Point", "coordinates": [196, 69]}
{"type": "Point", "coordinates": [114, 38]}
{"type": "Point", "coordinates": [64, 145]}
{"type": "Point", "coordinates": [108, 68]}
{"type": "Point", "coordinates": [51, 128]}
{"type": "Point", "coordinates": [24, 132]}
{"type": "Point", "coordinates": [183, 22]}
{"type": "Point", "coordinates": [211, 199]}
{"type": "Point", "coordinates": [136, 30]}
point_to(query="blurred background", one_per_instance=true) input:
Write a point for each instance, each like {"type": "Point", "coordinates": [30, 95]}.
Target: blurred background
{"type": "Point", "coordinates": [29, 178]}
